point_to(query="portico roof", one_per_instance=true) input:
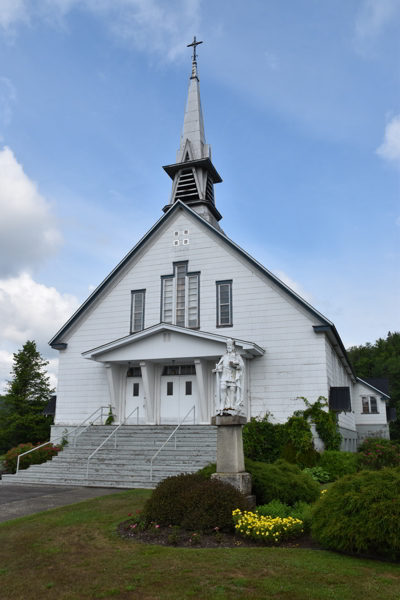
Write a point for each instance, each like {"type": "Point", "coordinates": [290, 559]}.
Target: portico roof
{"type": "Point", "coordinates": [165, 341]}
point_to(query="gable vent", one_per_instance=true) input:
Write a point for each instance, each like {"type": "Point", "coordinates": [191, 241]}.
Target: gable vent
{"type": "Point", "coordinates": [186, 188]}
{"type": "Point", "coordinates": [176, 242]}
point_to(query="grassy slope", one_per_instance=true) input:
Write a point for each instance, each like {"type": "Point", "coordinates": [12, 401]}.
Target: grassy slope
{"type": "Point", "coordinates": [73, 553]}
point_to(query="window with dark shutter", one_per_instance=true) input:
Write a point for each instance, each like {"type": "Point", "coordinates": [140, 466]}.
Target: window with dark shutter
{"type": "Point", "coordinates": [136, 389]}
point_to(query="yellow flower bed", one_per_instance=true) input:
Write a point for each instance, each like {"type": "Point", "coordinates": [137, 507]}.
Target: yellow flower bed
{"type": "Point", "coordinates": [266, 529]}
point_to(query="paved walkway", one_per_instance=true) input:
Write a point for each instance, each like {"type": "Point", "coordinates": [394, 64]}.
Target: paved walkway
{"type": "Point", "coordinates": [22, 500]}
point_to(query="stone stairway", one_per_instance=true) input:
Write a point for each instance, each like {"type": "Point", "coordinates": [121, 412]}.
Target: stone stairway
{"type": "Point", "coordinates": [127, 465]}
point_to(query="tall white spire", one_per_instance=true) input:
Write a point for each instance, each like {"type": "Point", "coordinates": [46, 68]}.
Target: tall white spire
{"type": "Point", "coordinates": [193, 175]}
{"type": "Point", "coordinates": [193, 124]}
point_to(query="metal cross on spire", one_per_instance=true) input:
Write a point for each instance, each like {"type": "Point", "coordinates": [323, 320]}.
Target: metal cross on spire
{"type": "Point", "coordinates": [194, 44]}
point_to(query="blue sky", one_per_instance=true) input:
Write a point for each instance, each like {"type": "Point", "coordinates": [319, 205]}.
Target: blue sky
{"type": "Point", "coordinates": [301, 107]}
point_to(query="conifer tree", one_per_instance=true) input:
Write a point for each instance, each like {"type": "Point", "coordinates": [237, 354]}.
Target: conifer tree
{"type": "Point", "coordinates": [25, 397]}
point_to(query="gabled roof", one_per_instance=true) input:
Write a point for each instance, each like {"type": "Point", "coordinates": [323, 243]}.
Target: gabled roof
{"type": "Point", "coordinates": [57, 339]}
{"type": "Point", "coordinates": [250, 347]}
{"type": "Point", "coordinates": [364, 382]}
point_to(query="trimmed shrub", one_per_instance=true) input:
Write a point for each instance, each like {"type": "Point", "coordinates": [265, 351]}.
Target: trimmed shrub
{"type": "Point", "coordinates": [338, 463]}
{"type": "Point", "coordinates": [376, 453]}
{"type": "Point", "coordinates": [274, 509]}
{"type": "Point", "coordinates": [277, 509]}
{"type": "Point", "coordinates": [281, 481]}
{"type": "Point", "coordinates": [304, 458]}
{"type": "Point", "coordinates": [263, 441]}
{"type": "Point", "coordinates": [361, 513]}
{"type": "Point", "coordinates": [33, 458]}
{"type": "Point", "coordinates": [194, 503]}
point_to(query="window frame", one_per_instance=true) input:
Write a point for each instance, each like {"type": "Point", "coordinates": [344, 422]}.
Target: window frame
{"type": "Point", "coordinates": [369, 411]}
{"type": "Point", "coordinates": [174, 278]}
{"type": "Point", "coordinates": [217, 288]}
{"type": "Point", "coordinates": [133, 294]}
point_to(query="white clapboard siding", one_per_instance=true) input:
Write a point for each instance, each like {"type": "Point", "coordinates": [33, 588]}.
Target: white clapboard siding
{"type": "Point", "coordinates": [378, 418]}
{"type": "Point", "coordinates": [295, 360]}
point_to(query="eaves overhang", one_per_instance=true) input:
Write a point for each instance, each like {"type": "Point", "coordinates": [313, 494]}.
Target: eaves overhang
{"type": "Point", "coordinates": [337, 343]}
{"type": "Point", "coordinates": [249, 347]}
{"type": "Point", "coordinates": [203, 163]}
{"type": "Point", "coordinates": [382, 394]}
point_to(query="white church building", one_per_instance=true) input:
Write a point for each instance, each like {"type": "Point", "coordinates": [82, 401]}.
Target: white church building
{"type": "Point", "coordinates": [147, 339]}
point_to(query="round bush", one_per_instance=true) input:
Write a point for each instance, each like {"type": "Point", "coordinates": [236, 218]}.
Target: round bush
{"type": "Point", "coordinates": [194, 503]}
{"type": "Point", "coordinates": [281, 481]}
{"type": "Point", "coordinates": [338, 463]}
{"type": "Point", "coordinates": [361, 513]}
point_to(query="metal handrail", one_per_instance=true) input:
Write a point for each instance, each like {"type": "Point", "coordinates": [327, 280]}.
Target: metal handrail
{"type": "Point", "coordinates": [92, 422]}
{"type": "Point", "coordinates": [111, 434]}
{"type": "Point", "coordinates": [173, 433]}
{"type": "Point", "coordinates": [59, 437]}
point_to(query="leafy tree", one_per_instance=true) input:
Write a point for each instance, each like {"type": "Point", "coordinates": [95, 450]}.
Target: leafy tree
{"type": "Point", "coordinates": [381, 359]}
{"type": "Point", "coordinates": [25, 397]}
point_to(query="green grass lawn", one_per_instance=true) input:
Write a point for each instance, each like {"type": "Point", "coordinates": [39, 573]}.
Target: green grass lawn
{"type": "Point", "coordinates": [73, 553]}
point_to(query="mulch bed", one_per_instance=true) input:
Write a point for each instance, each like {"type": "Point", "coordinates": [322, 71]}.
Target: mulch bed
{"type": "Point", "coordinates": [188, 539]}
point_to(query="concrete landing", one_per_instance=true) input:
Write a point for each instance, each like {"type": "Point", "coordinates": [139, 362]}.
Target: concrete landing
{"type": "Point", "coordinates": [23, 500]}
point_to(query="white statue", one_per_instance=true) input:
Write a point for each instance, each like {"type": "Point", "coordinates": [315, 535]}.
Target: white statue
{"type": "Point", "coordinates": [230, 371]}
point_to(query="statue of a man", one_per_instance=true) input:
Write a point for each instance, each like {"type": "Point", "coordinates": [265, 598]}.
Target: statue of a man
{"type": "Point", "coordinates": [230, 371]}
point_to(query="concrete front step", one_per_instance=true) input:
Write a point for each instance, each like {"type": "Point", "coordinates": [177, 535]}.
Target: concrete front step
{"type": "Point", "coordinates": [127, 465]}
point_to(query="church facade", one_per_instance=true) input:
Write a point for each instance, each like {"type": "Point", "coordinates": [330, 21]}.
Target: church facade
{"type": "Point", "coordinates": [148, 339]}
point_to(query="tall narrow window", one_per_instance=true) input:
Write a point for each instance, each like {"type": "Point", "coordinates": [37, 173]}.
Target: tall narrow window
{"type": "Point", "coordinates": [137, 317]}
{"type": "Point", "coordinates": [168, 300]}
{"type": "Point", "coordinates": [193, 301]}
{"type": "Point", "coordinates": [136, 389]}
{"type": "Point", "coordinates": [224, 303]}
{"type": "Point", "coordinates": [180, 297]}
{"type": "Point", "coordinates": [374, 404]}
{"type": "Point", "coordinates": [365, 404]}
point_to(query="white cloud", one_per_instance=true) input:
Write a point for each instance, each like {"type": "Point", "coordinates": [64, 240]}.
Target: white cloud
{"type": "Point", "coordinates": [153, 26]}
{"type": "Point", "coordinates": [6, 362]}
{"type": "Point", "coordinates": [32, 311]}
{"type": "Point", "coordinates": [12, 11]}
{"type": "Point", "coordinates": [374, 16]}
{"type": "Point", "coordinates": [294, 285]}
{"type": "Point", "coordinates": [28, 232]}
{"type": "Point", "coordinates": [390, 147]}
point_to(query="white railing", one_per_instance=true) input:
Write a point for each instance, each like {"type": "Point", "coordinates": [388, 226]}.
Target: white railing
{"type": "Point", "coordinates": [94, 421]}
{"type": "Point", "coordinates": [65, 435]}
{"type": "Point", "coordinates": [173, 433]}
{"type": "Point", "coordinates": [111, 434]}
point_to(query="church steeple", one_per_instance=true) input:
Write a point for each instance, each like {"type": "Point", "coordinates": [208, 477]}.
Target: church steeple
{"type": "Point", "coordinates": [193, 174]}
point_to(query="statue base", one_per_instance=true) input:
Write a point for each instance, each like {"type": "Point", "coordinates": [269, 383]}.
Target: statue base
{"type": "Point", "coordinates": [241, 481]}
{"type": "Point", "coordinates": [230, 456]}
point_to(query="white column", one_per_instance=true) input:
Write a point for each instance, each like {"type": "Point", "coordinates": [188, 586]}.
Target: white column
{"type": "Point", "coordinates": [202, 387]}
{"type": "Point", "coordinates": [114, 386]}
{"type": "Point", "coordinates": [149, 387]}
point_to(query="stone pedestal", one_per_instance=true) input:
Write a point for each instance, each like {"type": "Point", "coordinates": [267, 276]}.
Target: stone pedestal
{"type": "Point", "coordinates": [230, 456]}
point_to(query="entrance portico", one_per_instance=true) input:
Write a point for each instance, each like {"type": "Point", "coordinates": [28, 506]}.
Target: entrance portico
{"type": "Point", "coordinates": [165, 371]}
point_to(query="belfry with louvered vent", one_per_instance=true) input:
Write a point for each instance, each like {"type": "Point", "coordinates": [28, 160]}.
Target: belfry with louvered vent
{"type": "Point", "coordinates": [194, 174]}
